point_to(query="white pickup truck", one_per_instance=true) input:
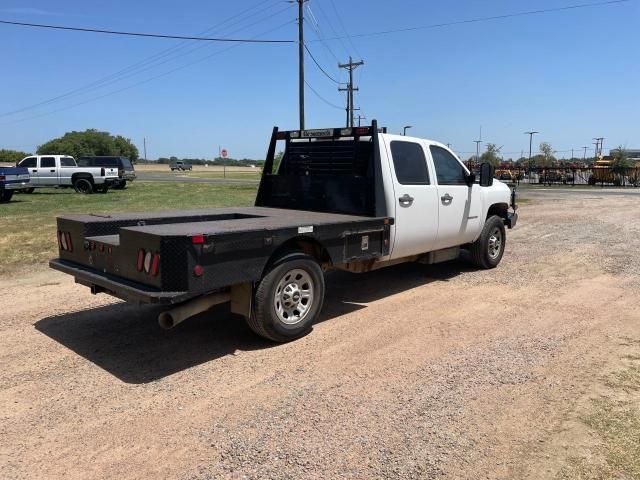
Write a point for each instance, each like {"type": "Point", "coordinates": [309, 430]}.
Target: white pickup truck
{"type": "Point", "coordinates": [63, 171]}
{"type": "Point", "coordinates": [354, 199]}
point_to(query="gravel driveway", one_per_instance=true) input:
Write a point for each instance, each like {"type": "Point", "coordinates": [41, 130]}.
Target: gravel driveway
{"type": "Point", "coordinates": [413, 371]}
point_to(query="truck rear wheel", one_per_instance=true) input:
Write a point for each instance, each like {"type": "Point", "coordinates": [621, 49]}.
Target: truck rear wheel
{"type": "Point", "coordinates": [486, 252]}
{"type": "Point", "coordinates": [288, 298]}
{"type": "Point", "coordinates": [83, 185]}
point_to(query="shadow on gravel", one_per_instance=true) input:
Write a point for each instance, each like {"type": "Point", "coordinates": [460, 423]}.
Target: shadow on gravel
{"type": "Point", "coordinates": [126, 341]}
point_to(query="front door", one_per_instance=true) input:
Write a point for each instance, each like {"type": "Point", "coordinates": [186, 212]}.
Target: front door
{"type": "Point", "coordinates": [458, 203]}
{"type": "Point", "coordinates": [415, 197]}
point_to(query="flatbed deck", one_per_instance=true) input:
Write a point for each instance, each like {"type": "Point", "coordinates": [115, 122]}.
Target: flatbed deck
{"type": "Point", "coordinates": [230, 245]}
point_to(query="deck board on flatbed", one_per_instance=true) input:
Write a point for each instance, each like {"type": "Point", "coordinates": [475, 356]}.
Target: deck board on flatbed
{"type": "Point", "coordinates": [258, 218]}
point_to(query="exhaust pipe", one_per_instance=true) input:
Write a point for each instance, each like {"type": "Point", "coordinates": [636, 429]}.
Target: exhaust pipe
{"type": "Point", "coordinates": [179, 314]}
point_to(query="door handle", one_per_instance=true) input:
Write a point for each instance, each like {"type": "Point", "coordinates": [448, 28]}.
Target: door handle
{"type": "Point", "coordinates": [446, 198]}
{"type": "Point", "coordinates": [34, 170]}
{"type": "Point", "coordinates": [52, 171]}
{"type": "Point", "coordinates": [405, 200]}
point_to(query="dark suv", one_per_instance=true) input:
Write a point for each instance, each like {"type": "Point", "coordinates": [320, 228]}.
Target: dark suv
{"type": "Point", "coordinates": [126, 172]}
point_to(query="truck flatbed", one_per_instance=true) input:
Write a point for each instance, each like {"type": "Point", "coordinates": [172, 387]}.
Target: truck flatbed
{"type": "Point", "coordinates": [115, 253]}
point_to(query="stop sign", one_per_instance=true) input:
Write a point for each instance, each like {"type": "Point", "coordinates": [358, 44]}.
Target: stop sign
{"type": "Point", "coordinates": [224, 153]}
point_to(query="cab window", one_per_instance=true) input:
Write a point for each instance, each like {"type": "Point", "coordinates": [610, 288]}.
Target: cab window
{"type": "Point", "coordinates": [47, 162]}
{"type": "Point", "coordinates": [409, 163]}
{"type": "Point", "coordinates": [67, 162]}
{"type": "Point", "coordinates": [449, 171]}
{"type": "Point", "coordinates": [30, 162]}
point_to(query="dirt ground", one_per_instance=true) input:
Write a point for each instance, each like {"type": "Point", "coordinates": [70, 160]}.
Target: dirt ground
{"type": "Point", "coordinates": [413, 372]}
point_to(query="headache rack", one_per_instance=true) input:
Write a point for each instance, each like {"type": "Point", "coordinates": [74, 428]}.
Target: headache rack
{"type": "Point", "coordinates": [333, 170]}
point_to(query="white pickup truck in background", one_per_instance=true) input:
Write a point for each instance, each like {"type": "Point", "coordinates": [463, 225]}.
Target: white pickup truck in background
{"type": "Point", "coordinates": [63, 171]}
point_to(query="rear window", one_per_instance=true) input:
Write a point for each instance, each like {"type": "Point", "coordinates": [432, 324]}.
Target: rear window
{"type": "Point", "coordinates": [67, 162]}
{"type": "Point", "coordinates": [126, 163]}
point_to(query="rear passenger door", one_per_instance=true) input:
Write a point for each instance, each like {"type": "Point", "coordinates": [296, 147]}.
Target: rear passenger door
{"type": "Point", "coordinates": [415, 198]}
{"type": "Point", "coordinates": [458, 203]}
{"type": "Point", "coordinates": [47, 173]}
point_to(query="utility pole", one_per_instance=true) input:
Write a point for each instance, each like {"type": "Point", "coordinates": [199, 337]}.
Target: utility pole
{"type": "Point", "coordinates": [572, 154]}
{"type": "Point", "coordinates": [301, 60]}
{"type": "Point", "coordinates": [351, 66]}
{"type": "Point", "coordinates": [531, 134]}
{"type": "Point", "coordinates": [584, 157]}
{"type": "Point", "coordinates": [144, 140]}
{"type": "Point", "coordinates": [360, 117]}
{"type": "Point", "coordinates": [478, 142]}
{"type": "Point", "coordinates": [599, 144]}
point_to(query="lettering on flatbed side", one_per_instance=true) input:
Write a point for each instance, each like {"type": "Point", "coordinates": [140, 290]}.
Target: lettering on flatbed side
{"type": "Point", "coordinates": [308, 229]}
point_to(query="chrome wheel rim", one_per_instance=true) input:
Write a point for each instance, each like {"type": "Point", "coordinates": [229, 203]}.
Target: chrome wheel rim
{"type": "Point", "coordinates": [495, 243]}
{"type": "Point", "coordinates": [294, 296]}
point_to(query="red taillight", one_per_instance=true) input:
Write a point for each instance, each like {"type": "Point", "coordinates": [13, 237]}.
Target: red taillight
{"type": "Point", "coordinates": [155, 265]}
{"type": "Point", "coordinates": [60, 239]}
{"type": "Point", "coordinates": [67, 235]}
{"type": "Point", "coordinates": [197, 239]}
{"type": "Point", "coordinates": [140, 262]}
{"type": "Point", "coordinates": [362, 130]}
{"type": "Point", "coordinates": [198, 271]}
{"type": "Point", "coordinates": [2, 177]}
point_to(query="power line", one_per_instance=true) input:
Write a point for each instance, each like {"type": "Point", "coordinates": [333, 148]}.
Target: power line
{"type": "Point", "coordinates": [335, 33]}
{"type": "Point", "coordinates": [152, 61]}
{"type": "Point", "coordinates": [144, 81]}
{"type": "Point", "coordinates": [482, 19]}
{"type": "Point", "coordinates": [322, 98]}
{"type": "Point", "coordinates": [136, 69]}
{"type": "Point", "coordinates": [318, 65]}
{"type": "Point", "coordinates": [344, 29]}
{"type": "Point", "coordinates": [151, 35]}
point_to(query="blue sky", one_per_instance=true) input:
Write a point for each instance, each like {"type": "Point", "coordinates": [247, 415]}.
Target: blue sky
{"type": "Point", "coordinates": [572, 75]}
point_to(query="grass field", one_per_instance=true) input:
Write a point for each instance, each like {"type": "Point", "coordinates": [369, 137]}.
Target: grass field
{"type": "Point", "coordinates": [242, 175]}
{"type": "Point", "coordinates": [28, 222]}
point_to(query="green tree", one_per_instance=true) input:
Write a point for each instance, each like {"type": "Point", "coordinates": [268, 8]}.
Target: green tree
{"type": "Point", "coordinates": [491, 156]}
{"type": "Point", "coordinates": [12, 156]}
{"type": "Point", "coordinates": [547, 154]}
{"type": "Point", "coordinates": [90, 142]}
{"type": "Point", "coordinates": [620, 161]}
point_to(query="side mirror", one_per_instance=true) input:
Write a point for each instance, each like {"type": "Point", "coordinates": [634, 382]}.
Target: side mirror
{"type": "Point", "coordinates": [471, 179]}
{"type": "Point", "coordinates": [486, 175]}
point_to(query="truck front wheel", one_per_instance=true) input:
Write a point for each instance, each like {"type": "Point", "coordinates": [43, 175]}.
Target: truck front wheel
{"type": "Point", "coordinates": [486, 252]}
{"type": "Point", "coordinates": [288, 298]}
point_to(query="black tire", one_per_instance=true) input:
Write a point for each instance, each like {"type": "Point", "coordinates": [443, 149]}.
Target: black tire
{"type": "Point", "coordinates": [27, 190]}
{"type": "Point", "coordinates": [269, 313]}
{"type": "Point", "coordinates": [83, 185]}
{"type": "Point", "coordinates": [121, 185]}
{"type": "Point", "coordinates": [5, 195]}
{"type": "Point", "coordinates": [483, 250]}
